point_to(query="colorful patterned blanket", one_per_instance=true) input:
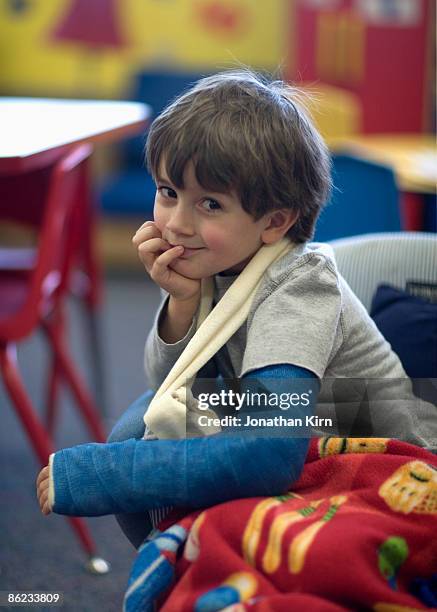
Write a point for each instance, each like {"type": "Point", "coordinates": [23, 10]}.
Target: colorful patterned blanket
{"type": "Point", "coordinates": [358, 531]}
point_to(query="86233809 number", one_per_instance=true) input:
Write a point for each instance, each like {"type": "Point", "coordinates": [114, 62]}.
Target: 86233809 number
{"type": "Point", "coordinates": [30, 598]}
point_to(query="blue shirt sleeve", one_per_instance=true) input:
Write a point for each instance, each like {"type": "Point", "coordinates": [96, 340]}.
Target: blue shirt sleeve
{"type": "Point", "coordinates": [138, 475]}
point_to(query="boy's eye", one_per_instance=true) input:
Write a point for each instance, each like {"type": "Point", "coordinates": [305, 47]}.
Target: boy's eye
{"type": "Point", "coordinates": [167, 192]}
{"type": "Point", "coordinates": [210, 205]}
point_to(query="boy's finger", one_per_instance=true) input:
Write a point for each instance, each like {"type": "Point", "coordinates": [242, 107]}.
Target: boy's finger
{"type": "Point", "coordinates": [163, 261]}
{"type": "Point", "coordinates": [154, 245]}
{"type": "Point", "coordinates": [42, 499]}
{"type": "Point", "coordinates": [149, 252]}
{"type": "Point", "coordinates": [44, 478]}
{"type": "Point", "coordinates": [42, 496]}
{"type": "Point", "coordinates": [145, 232]}
{"type": "Point", "coordinates": [146, 224]}
{"type": "Point", "coordinates": [46, 507]}
{"type": "Point", "coordinates": [42, 487]}
{"type": "Point", "coordinates": [43, 475]}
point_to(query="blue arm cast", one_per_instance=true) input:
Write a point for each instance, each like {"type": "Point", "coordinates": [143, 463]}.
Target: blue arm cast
{"type": "Point", "coordinates": [138, 475]}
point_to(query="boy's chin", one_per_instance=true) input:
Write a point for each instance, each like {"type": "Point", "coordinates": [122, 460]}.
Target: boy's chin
{"type": "Point", "coordinates": [183, 268]}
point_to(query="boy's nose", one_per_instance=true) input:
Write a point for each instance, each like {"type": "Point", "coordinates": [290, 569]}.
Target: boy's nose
{"type": "Point", "coordinates": [180, 221]}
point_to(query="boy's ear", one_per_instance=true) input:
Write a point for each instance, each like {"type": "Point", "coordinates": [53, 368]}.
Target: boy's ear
{"type": "Point", "coordinates": [278, 223]}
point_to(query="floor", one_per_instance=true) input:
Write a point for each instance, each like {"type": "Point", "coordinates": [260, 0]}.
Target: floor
{"type": "Point", "coordinates": [41, 553]}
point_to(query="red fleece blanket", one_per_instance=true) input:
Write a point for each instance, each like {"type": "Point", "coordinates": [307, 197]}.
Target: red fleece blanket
{"type": "Point", "coordinates": [357, 531]}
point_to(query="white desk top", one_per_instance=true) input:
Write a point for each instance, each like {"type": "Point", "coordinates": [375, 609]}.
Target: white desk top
{"type": "Point", "coordinates": [31, 129]}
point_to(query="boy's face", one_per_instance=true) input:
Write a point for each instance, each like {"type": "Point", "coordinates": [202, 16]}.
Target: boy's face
{"type": "Point", "coordinates": [218, 235]}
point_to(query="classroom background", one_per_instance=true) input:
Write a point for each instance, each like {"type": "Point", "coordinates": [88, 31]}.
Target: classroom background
{"type": "Point", "coordinates": [369, 69]}
{"type": "Point", "coordinates": [369, 66]}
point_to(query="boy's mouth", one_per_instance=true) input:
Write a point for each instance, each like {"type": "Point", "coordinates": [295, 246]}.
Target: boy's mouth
{"type": "Point", "coordinates": [188, 252]}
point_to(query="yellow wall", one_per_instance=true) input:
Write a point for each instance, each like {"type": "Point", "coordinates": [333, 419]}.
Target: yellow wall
{"type": "Point", "coordinates": [157, 32]}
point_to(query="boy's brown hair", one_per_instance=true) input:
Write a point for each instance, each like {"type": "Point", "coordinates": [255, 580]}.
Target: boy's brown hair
{"type": "Point", "coordinates": [247, 134]}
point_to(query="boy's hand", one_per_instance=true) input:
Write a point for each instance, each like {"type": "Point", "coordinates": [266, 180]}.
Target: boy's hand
{"type": "Point", "coordinates": [157, 255]}
{"type": "Point", "coordinates": [42, 490]}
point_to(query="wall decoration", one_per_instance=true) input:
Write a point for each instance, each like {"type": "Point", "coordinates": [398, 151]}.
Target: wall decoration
{"type": "Point", "coordinates": [220, 18]}
{"type": "Point", "coordinates": [96, 48]}
{"type": "Point", "coordinates": [18, 6]}
{"type": "Point", "coordinates": [93, 23]}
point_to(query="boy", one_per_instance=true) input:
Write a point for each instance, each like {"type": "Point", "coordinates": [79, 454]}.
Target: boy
{"type": "Point", "coordinates": [238, 168]}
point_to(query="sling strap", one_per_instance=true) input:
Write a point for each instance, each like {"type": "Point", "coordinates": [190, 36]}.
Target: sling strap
{"type": "Point", "coordinates": [173, 412]}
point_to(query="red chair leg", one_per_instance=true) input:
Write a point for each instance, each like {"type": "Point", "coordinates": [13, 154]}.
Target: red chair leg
{"type": "Point", "coordinates": [36, 433]}
{"type": "Point", "coordinates": [71, 376]}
